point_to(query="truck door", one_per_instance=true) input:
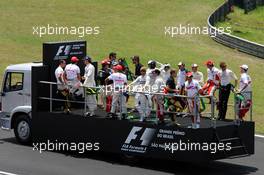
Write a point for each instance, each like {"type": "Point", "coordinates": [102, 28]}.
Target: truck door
{"type": "Point", "coordinates": [13, 91]}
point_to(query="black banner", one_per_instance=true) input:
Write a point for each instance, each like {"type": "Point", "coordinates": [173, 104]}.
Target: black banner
{"type": "Point", "coordinates": [139, 139]}
{"type": "Point", "coordinates": [55, 51]}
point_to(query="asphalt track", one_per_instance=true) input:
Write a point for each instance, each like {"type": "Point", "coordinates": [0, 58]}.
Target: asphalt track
{"type": "Point", "coordinates": [16, 159]}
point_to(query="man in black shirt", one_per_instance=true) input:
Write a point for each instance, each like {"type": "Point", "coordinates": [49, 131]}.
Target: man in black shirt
{"type": "Point", "coordinates": [170, 101]}
{"type": "Point", "coordinates": [138, 65]}
{"type": "Point", "coordinates": [171, 84]}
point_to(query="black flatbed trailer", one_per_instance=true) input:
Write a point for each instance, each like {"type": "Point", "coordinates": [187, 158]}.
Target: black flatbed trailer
{"type": "Point", "coordinates": [135, 138]}
{"type": "Point", "coordinates": [112, 135]}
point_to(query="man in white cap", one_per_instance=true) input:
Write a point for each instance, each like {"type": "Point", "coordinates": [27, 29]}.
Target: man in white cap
{"type": "Point", "coordinates": [245, 81]}
{"type": "Point", "coordinates": [141, 100]}
{"type": "Point", "coordinates": [181, 77]}
{"type": "Point", "coordinates": [158, 87]}
{"type": "Point", "coordinates": [165, 72]}
{"type": "Point", "coordinates": [245, 90]}
{"type": "Point", "coordinates": [197, 75]}
{"type": "Point", "coordinates": [149, 74]}
{"type": "Point", "coordinates": [150, 80]}
{"type": "Point", "coordinates": [89, 82]}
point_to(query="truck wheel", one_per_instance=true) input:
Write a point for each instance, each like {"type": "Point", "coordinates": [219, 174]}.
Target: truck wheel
{"type": "Point", "coordinates": [129, 159]}
{"type": "Point", "coordinates": [22, 129]}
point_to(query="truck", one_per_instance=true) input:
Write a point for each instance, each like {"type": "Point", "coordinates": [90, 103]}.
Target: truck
{"type": "Point", "coordinates": [15, 101]}
{"type": "Point", "coordinates": [28, 97]}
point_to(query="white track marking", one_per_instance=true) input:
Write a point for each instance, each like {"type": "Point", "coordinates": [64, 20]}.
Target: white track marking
{"type": "Point", "coordinates": [6, 173]}
{"type": "Point", "coordinates": [260, 136]}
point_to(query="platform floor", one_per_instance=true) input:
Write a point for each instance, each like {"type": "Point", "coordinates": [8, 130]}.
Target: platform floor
{"type": "Point", "coordinates": [181, 120]}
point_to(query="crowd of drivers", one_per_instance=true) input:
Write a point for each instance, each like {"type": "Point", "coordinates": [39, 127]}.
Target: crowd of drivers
{"type": "Point", "coordinates": [171, 85]}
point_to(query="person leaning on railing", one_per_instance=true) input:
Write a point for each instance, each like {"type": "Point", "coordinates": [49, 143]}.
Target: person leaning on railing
{"type": "Point", "coordinates": [193, 89]}
{"type": "Point", "coordinates": [212, 79]}
{"type": "Point", "coordinates": [245, 90]}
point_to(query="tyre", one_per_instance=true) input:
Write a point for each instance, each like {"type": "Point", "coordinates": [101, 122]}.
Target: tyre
{"type": "Point", "coordinates": [129, 159]}
{"type": "Point", "coordinates": [22, 129]}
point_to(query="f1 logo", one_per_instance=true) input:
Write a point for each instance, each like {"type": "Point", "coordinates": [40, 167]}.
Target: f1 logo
{"type": "Point", "coordinates": [145, 138]}
{"type": "Point", "coordinates": [64, 49]}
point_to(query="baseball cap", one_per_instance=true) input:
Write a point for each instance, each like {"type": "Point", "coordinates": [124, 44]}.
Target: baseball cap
{"type": "Point", "coordinates": [151, 61]}
{"type": "Point", "coordinates": [167, 65]}
{"type": "Point", "coordinates": [74, 59]}
{"type": "Point", "coordinates": [181, 64]}
{"type": "Point", "coordinates": [244, 66]}
{"type": "Point", "coordinates": [209, 62]}
{"type": "Point", "coordinates": [194, 65]}
{"type": "Point", "coordinates": [87, 58]}
{"type": "Point", "coordinates": [118, 67]}
{"type": "Point", "coordinates": [189, 74]}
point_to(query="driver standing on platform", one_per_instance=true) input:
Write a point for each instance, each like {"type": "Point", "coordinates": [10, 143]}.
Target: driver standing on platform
{"type": "Point", "coordinates": [226, 76]}
{"type": "Point", "coordinates": [73, 77]}
{"type": "Point", "coordinates": [181, 77]}
{"type": "Point", "coordinates": [212, 80]}
{"type": "Point", "coordinates": [141, 100]}
{"type": "Point", "coordinates": [89, 83]}
{"type": "Point", "coordinates": [159, 86]}
{"type": "Point", "coordinates": [111, 59]}
{"type": "Point", "coordinates": [150, 80]}
{"type": "Point", "coordinates": [165, 72]}
{"type": "Point", "coordinates": [138, 65]}
{"type": "Point", "coordinates": [102, 75]}
{"type": "Point", "coordinates": [119, 82]}
{"type": "Point", "coordinates": [197, 75]}
{"type": "Point", "coordinates": [63, 92]}
{"type": "Point", "coordinates": [193, 88]}
{"type": "Point", "coordinates": [246, 91]}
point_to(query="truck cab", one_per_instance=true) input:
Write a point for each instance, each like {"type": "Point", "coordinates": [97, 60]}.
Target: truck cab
{"type": "Point", "coordinates": [15, 100]}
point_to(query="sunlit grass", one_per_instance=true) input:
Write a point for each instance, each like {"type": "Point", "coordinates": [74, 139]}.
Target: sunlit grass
{"type": "Point", "coordinates": [128, 28]}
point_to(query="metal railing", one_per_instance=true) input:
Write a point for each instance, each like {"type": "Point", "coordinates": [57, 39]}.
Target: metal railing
{"type": "Point", "coordinates": [243, 101]}
{"type": "Point", "coordinates": [196, 99]}
{"type": "Point", "coordinates": [229, 40]}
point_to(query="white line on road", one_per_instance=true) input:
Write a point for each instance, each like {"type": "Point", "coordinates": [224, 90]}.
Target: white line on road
{"type": "Point", "coordinates": [6, 173]}
{"type": "Point", "coordinates": [257, 135]}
